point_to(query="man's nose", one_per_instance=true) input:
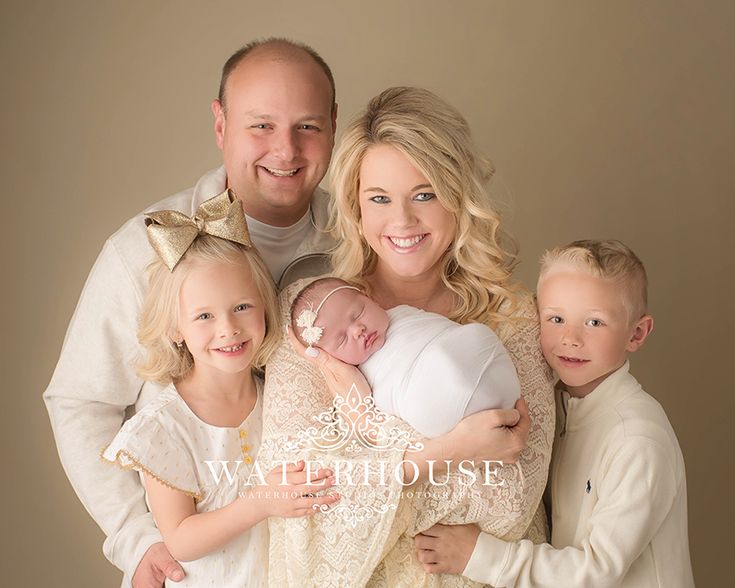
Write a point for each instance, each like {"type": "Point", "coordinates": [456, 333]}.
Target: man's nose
{"type": "Point", "coordinates": [286, 145]}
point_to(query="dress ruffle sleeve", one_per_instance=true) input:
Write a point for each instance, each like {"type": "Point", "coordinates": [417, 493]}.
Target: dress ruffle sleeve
{"type": "Point", "coordinates": [146, 443]}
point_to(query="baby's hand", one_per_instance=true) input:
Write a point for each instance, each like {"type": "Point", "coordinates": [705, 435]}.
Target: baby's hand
{"type": "Point", "coordinates": [288, 493]}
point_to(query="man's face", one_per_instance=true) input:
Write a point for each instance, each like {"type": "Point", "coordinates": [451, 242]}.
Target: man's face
{"type": "Point", "coordinates": [276, 135]}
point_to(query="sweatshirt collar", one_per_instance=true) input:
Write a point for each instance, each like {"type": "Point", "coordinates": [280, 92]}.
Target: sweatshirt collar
{"type": "Point", "coordinates": [610, 392]}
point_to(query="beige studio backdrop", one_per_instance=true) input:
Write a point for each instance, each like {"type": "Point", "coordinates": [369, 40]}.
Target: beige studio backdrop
{"type": "Point", "coordinates": [604, 119]}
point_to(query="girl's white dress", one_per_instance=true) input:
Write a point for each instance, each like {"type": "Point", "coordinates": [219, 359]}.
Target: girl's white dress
{"type": "Point", "coordinates": [168, 441]}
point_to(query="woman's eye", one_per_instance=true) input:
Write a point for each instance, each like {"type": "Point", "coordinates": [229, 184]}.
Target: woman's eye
{"type": "Point", "coordinates": [204, 316]}
{"type": "Point", "coordinates": [424, 196]}
{"type": "Point", "coordinates": [380, 199]}
{"type": "Point", "coordinates": [241, 307]}
{"type": "Point", "coordinates": [594, 323]}
{"type": "Point", "coordinates": [308, 128]}
{"type": "Point", "coordinates": [557, 320]}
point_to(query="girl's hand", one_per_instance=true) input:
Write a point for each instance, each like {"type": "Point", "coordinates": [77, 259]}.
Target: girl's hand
{"type": "Point", "coordinates": [339, 376]}
{"type": "Point", "coordinates": [288, 492]}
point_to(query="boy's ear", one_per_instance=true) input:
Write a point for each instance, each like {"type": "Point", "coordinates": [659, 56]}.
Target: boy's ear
{"type": "Point", "coordinates": [641, 330]}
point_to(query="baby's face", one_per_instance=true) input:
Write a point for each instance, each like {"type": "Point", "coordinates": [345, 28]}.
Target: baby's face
{"type": "Point", "coordinates": [354, 326]}
{"type": "Point", "coordinates": [585, 328]}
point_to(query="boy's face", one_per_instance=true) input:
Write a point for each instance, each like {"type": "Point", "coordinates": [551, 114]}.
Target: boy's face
{"type": "Point", "coordinates": [354, 326]}
{"type": "Point", "coordinates": [586, 333]}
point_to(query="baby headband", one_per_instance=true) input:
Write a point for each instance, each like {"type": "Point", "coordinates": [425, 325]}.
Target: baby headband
{"type": "Point", "coordinates": [310, 333]}
{"type": "Point", "coordinates": [171, 232]}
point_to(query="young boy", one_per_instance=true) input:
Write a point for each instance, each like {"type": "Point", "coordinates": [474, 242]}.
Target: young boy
{"type": "Point", "coordinates": [618, 491]}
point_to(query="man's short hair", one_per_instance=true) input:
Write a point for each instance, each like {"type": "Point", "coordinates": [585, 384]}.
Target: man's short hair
{"type": "Point", "coordinates": [241, 53]}
{"type": "Point", "coordinates": [609, 259]}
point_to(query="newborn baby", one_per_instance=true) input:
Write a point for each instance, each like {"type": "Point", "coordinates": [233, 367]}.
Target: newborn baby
{"type": "Point", "coordinates": [421, 366]}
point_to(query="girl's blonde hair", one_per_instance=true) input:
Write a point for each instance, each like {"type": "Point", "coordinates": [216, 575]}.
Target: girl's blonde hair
{"type": "Point", "coordinates": [164, 362]}
{"type": "Point", "coordinates": [477, 266]}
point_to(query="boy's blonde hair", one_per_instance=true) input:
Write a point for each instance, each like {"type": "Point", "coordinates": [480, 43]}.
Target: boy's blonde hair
{"type": "Point", "coordinates": [164, 362]}
{"type": "Point", "coordinates": [610, 260]}
{"type": "Point", "coordinates": [477, 266]}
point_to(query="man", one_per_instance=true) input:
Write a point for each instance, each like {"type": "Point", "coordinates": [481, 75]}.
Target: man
{"type": "Point", "coordinates": [274, 122]}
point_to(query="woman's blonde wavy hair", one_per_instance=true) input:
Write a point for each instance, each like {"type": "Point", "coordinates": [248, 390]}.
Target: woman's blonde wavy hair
{"type": "Point", "coordinates": [477, 266]}
{"type": "Point", "coordinates": [164, 362]}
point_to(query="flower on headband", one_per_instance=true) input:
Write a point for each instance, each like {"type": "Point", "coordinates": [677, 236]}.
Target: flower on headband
{"type": "Point", "coordinates": [310, 333]}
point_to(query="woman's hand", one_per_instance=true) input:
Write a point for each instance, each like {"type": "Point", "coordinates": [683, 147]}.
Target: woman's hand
{"type": "Point", "coordinates": [493, 435]}
{"type": "Point", "coordinates": [497, 435]}
{"type": "Point", "coordinates": [339, 376]}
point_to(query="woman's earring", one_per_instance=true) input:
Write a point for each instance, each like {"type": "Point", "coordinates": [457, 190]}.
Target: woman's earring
{"type": "Point", "coordinates": [179, 344]}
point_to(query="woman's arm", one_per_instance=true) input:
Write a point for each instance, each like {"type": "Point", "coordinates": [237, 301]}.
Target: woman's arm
{"type": "Point", "coordinates": [497, 435]}
{"type": "Point", "coordinates": [189, 535]}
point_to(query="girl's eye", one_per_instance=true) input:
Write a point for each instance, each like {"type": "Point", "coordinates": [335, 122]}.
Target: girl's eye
{"type": "Point", "coordinates": [204, 316]}
{"type": "Point", "coordinates": [594, 323]}
{"type": "Point", "coordinates": [241, 307]}
{"type": "Point", "coordinates": [557, 320]}
{"type": "Point", "coordinates": [424, 196]}
{"type": "Point", "coordinates": [379, 199]}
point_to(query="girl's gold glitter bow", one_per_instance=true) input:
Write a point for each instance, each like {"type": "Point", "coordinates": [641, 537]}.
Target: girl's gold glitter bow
{"type": "Point", "coordinates": [171, 232]}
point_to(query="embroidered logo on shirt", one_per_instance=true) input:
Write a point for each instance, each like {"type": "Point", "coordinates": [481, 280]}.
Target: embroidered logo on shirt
{"type": "Point", "coordinates": [589, 487]}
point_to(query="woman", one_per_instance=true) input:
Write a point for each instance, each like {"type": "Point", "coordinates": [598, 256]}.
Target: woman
{"type": "Point", "coordinates": [414, 227]}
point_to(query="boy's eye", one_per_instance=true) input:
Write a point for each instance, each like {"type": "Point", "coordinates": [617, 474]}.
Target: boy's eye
{"type": "Point", "coordinates": [241, 307]}
{"type": "Point", "coordinates": [380, 199]}
{"type": "Point", "coordinates": [424, 196]}
{"type": "Point", "coordinates": [594, 323]}
{"type": "Point", "coordinates": [204, 316]}
{"type": "Point", "coordinates": [557, 320]}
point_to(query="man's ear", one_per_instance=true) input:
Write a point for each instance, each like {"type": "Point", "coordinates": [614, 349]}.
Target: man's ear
{"type": "Point", "coordinates": [219, 123]}
{"type": "Point", "coordinates": [641, 330]}
{"type": "Point", "coordinates": [334, 119]}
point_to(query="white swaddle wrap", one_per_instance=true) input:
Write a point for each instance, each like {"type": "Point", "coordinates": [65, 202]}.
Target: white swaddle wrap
{"type": "Point", "coordinates": [432, 372]}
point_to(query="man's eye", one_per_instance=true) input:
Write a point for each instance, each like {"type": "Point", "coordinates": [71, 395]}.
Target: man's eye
{"type": "Point", "coordinates": [424, 196]}
{"type": "Point", "coordinates": [241, 307]}
{"type": "Point", "coordinates": [557, 320]}
{"type": "Point", "coordinates": [260, 126]}
{"type": "Point", "coordinates": [204, 316]}
{"type": "Point", "coordinates": [594, 323]}
{"type": "Point", "coordinates": [380, 199]}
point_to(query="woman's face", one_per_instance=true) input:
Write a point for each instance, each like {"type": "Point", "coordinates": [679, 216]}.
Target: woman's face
{"type": "Point", "coordinates": [402, 219]}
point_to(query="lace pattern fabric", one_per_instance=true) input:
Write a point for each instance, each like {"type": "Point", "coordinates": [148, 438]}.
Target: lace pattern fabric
{"type": "Point", "coordinates": [366, 539]}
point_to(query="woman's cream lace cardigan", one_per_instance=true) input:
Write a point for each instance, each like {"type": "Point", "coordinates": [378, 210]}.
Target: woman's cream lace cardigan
{"type": "Point", "coordinates": [366, 538]}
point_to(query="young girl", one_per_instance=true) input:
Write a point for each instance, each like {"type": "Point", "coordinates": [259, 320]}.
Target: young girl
{"type": "Point", "coordinates": [208, 321]}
